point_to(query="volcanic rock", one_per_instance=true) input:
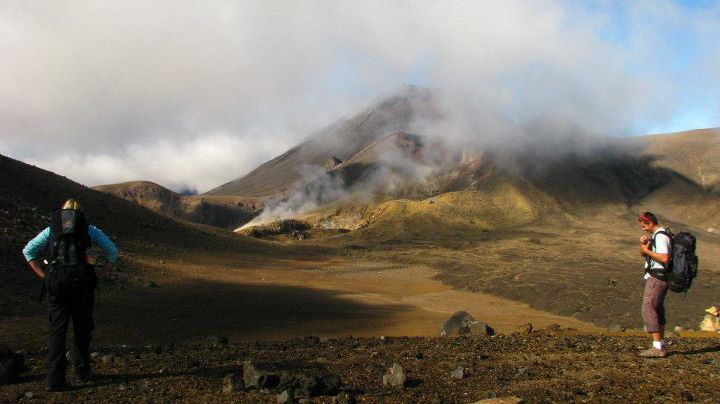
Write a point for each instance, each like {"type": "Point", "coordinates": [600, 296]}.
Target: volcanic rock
{"type": "Point", "coordinates": [458, 373]}
{"type": "Point", "coordinates": [395, 377]}
{"type": "Point", "coordinates": [461, 322]}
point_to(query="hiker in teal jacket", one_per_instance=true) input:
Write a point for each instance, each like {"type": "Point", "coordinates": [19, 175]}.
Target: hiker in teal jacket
{"type": "Point", "coordinates": [59, 256]}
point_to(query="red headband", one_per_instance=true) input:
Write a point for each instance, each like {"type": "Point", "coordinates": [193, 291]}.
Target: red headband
{"type": "Point", "coordinates": [645, 219]}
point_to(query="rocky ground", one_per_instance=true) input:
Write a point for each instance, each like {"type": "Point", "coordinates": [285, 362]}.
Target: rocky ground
{"type": "Point", "coordinates": [541, 366]}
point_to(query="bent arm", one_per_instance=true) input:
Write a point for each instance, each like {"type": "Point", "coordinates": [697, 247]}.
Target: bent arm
{"type": "Point", "coordinates": [35, 249]}
{"type": "Point", "coordinates": [659, 257]}
{"type": "Point", "coordinates": [98, 238]}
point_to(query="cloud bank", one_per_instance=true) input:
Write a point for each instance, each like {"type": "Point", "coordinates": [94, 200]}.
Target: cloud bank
{"type": "Point", "coordinates": [195, 94]}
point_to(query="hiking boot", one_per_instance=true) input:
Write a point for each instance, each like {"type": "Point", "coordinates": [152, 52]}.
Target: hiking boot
{"type": "Point", "coordinates": [85, 377]}
{"type": "Point", "coordinates": [653, 353]}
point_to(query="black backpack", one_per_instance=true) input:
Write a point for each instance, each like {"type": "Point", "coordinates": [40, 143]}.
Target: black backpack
{"type": "Point", "coordinates": [69, 238]}
{"type": "Point", "coordinates": [66, 253]}
{"type": "Point", "coordinates": [683, 266]}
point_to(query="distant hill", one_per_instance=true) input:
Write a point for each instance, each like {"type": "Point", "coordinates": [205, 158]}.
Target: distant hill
{"type": "Point", "coordinates": [222, 211]}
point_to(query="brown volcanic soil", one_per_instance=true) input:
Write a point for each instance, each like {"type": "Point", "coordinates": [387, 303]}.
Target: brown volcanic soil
{"type": "Point", "coordinates": [540, 367]}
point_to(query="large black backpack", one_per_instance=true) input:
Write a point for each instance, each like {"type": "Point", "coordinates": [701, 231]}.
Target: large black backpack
{"type": "Point", "coordinates": [66, 253]}
{"type": "Point", "coordinates": [683, 265]}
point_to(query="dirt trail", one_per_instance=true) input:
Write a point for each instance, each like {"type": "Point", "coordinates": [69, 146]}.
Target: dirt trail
{"type": "Point", "coordinates": [426, 302]}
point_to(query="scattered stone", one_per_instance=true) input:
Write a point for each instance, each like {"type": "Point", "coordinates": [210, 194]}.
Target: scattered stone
{"type": "Point", "coordinates": [151, 284]}
{"type": "Point", "coordinates": [286, 397]}
{"type": "Point", "coordinates": [95, 355]}
{"type": "Point", "coordinates": [458, 373]}
{"type": "Point", "coordinates": [344, 398]}
{"type": "Point", "coordinates": [615, 327]}
{"type": "Point", "coordinates": [256, 378]}
{"type": "Point", "coordinates": [524, 329]}
{"type": "Point", "coordinates": [11, 365]}
{"type": "Point", "coordinates": [395, 377]}
{"type": "Point", "coordinates": [29, 395]}
{"type": "Point", "coordinates": [679, 328]}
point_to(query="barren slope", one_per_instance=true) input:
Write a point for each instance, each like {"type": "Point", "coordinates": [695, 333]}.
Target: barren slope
{"type": "Point", "coordinates": [222, 211]}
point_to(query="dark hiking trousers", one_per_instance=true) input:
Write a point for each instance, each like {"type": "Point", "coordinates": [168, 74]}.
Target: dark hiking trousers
{"type": "Point", "coordinates": [71, 295]}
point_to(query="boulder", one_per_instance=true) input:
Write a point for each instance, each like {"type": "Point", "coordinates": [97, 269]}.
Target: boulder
{"type": "Point", "coordinates": [11, 365]}
{"type": "Point", "coordinates": [151, 284]}
{"type": "Point", "coordinates": [461, 322]}
{"type": "Point", "coordinates": [395, 377]}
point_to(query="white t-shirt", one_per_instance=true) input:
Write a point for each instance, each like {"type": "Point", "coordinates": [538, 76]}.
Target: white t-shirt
{"type": "Point", "coordinates": [662, 246]}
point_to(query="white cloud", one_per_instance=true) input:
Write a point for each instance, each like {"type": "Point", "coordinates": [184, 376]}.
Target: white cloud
{"type": "Point", "coordinates": [152, 90]}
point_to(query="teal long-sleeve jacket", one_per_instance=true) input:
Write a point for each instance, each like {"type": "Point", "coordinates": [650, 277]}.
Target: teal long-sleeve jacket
{"type": "Point", "coordinates": [35, 248]}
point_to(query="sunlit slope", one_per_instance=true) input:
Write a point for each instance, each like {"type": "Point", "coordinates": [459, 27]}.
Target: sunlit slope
{"type": "Point", "coordinates": [222, 211]}
{"type": "Point", "coordinates": [693, 154]}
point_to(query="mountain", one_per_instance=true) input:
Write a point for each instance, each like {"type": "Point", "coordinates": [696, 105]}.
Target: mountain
{"type": "Point", "coordinates": [222, 211]}
{"type": "Point", "coordinates": [341, 141]}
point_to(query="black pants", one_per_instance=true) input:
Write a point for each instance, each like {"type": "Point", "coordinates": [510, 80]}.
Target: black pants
{"type": "Point", "coordinates": [70, 294]}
